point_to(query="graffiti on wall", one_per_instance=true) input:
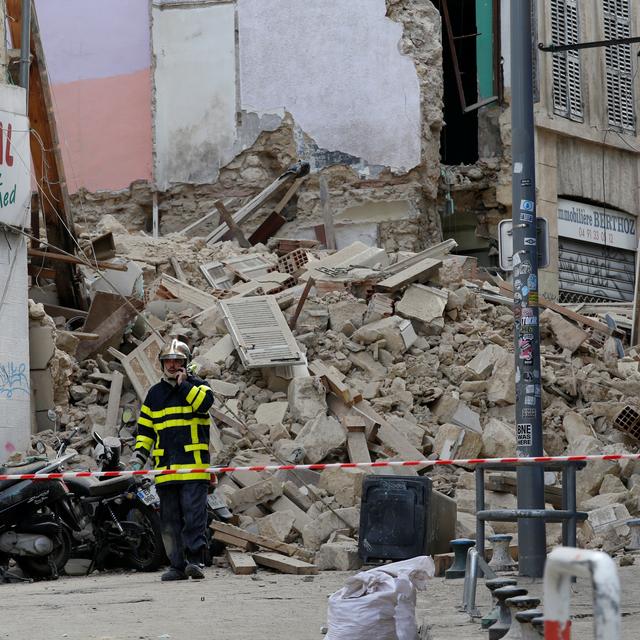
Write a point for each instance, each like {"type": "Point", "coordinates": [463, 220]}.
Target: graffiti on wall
{"type": "Point", "coordinates": [14, 379]}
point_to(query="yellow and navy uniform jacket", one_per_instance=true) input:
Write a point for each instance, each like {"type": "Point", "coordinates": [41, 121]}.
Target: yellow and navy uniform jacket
{"type": "Point", "coordinates": [173, 428]}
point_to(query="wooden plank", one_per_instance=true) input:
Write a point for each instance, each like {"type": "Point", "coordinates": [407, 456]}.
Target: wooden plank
{"type": "Point", "coordinates": [108, 316]}
{"type": "Point", "coordinates": [411, 274]}
{"type": "Point", "coordinates": [36, 271]}
{"type": "Point", "coordinates": [177, 269]}
{"type": "Point", "coordinates": [261, 541]}
{"type": "Point", "coordinates": [329, 230]}
{"type": "Point", "coordinates": [357, 447]}
{"type": "Point", "coordinates": [389, 435]}
{"type": "Point", "coordinates": [283, 564]}
{"type": "Point", "coordinates": [234, 541]}
{"type": "Point", "coordinates": [241, 564]}
{"type": "Point", "coordinates": [563, 311]}
{"type": "Point", "coordinates": [301, 301]}
{"type": "Point", "coordinates": [234, 229]}
{"type": "Point", "coordinates": [46, 156]}
{"type": "Point", "coordinates": [221, 416]}
{"type": "Point", "coordinates": [318, 368]}
{"type": "Point", "coordinates": [113, 406]}
{"type": "Point", "coordinates": [61, 257]}
{"type": "Point", "coordinates": [253, 205]}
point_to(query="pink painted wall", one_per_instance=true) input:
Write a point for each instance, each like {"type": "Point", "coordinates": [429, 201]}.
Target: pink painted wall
{"type": "Point", "coordinates": [101, 79]}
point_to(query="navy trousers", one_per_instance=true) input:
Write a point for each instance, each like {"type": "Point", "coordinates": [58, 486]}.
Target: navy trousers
{"type": "Point", "coordinates": [183, 511]}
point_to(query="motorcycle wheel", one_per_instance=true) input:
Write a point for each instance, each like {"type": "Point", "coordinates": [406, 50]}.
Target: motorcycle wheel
{"type": "Point", "coordinates": [50, 566]}
{"type": "Point", "coordinates": [145, 531]}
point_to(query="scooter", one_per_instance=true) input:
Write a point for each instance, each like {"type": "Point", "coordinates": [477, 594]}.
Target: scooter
{"type": "Point", "coordinates": [37, 520]}
{"type": "Point", "coordinates": [120, 518]}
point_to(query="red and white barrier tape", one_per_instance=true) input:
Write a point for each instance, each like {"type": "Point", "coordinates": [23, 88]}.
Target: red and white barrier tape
{"type": "Point", "coordinates": [319, 467]}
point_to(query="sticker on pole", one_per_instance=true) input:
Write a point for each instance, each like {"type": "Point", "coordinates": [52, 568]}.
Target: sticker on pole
{"type": "Point", "coordinates": [524, 435]}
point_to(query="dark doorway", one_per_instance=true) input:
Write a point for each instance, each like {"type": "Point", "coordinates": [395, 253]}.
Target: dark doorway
{"type": "Point", "coordinates": [459, 138]}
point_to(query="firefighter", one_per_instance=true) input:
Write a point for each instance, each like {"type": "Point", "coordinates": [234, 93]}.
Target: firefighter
{"type": "Point", "coordinates": [173, 429]}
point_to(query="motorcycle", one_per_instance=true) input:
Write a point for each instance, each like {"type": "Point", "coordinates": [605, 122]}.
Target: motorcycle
{"type": "Point", "coordinates": [120, 522]}
{"type": "Point", "coordinates": [37, 520]}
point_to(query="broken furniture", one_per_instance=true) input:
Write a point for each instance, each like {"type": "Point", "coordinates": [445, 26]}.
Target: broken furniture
{"type": "Point", "coordinates": [569, 516]}
{"type": "Point", "coordinates": [260, 332]}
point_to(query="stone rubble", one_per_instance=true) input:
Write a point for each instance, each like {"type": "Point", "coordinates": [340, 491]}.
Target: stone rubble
{"type": "Point", "coordinates": [434, 360]}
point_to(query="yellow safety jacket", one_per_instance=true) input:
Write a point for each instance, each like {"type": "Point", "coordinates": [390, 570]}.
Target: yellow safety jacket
{"type": "Point", "coordinates": [173, 428]}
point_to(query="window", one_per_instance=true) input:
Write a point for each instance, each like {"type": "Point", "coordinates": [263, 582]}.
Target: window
{"type": "Point", "coordinates": [567, 89]}
{"type": "Point", "coordinates": [618, 64]}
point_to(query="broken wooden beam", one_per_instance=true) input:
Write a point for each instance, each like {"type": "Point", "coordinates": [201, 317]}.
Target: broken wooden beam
{"type": "Point", "coordinates": [61, 257]}
{"type": "Point", "coordinates": [241, 564]}
{"type": "Point", "coordinates": [234, 229]}
{"type": "Point", "coordinates": [285, 565]}
{"type": "Point", "coordinates": [261, 541]}
{"type": "Point", "coordinates": [414, 273]}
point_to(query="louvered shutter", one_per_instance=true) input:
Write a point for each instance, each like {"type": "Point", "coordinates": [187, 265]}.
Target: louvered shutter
{"type": "Point", "coordinates": [260, 332]}
{"type": "Point", "coordinates": [567, 77]}
{"type": "Point", "coordinates": [619, 67]}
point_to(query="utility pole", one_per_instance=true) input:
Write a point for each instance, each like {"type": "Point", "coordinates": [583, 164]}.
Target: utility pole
{"type": "Point", "coordinates": [531, 532]}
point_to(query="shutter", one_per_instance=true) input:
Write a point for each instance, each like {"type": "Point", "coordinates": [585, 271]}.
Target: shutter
{"type": "Point", "coordinates": [567, 80]}
{"type": "Point", "coordinates": [590, 272]}
{"type": "Point", "coordinates": [260, 332]}
{"type": "Point", "coordinates": [619, 66]}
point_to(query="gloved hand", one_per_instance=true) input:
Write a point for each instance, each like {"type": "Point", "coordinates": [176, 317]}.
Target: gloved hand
{"type": "Point", "coordinates": [136, 465]}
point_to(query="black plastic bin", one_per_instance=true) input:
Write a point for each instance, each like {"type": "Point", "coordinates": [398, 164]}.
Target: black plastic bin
{"type": "Point", "coordinates": [402, 517]}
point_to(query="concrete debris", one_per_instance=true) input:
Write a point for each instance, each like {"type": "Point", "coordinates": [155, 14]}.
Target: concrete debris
{"type": "Point", "coordinates": [401, 359]}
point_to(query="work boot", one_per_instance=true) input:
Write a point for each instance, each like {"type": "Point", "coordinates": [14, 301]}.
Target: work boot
{"type": "Point", "coordinates": [173, 574]}
{"type": "Point", "coordinates": [194, 571]}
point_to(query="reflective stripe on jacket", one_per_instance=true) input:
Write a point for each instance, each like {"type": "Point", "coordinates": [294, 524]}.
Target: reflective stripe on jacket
{"type": "Point", "coordinates": [173, 428]}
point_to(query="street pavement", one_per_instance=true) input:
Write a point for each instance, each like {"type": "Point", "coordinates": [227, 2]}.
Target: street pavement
{"type": "Point", "coordinates": [137, 606]}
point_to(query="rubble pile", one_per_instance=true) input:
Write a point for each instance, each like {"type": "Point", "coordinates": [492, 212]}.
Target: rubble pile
{"type": "Point", "coordinates": [389, 356]}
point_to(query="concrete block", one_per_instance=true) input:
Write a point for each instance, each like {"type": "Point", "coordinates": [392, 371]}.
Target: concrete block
{"type": "Point", "coordinates": [346, 317]}
{"type": "Point", "coordinates": [271, 413]}
{"type": "Point", "coordinates": [615, 515]}
{"type": "Point", "coordinates": [387, 329]}
{"type": "Point", "coordinates": [338, 556]}
{"type": "Point", "coordinates": [365, 361]}
{"type": "Point", "coordinates": [42, 346]}
{"type": "Point", "coordinates": [307, 398]}
{"type": "Point", "coordinates": [344, 484]}
{"type": "Point", "coordinates": [501, 389]}
{"type": "Point", "coordinates": [219, 352]}
{"type": "Point", "coordinates": [314, 534]}
{"type": "Point", "coordinates": [277, 526]}
{"type": "Point", "coordinates": [498, 439]}
{"type": "Point", "coordinates": [263, 491]}
{"type": "Point", "coordinates": [227, 389]}
{"type": "Point", "coordinates": [452, 410]}
{"type": "Point", "coordinates": [481, 366]}
{"type": "Point", "coordinates": [567, 335]}
{"type": "Point", "coordinates": [422, 303]}
{"type": "Point", "coordinates": [453, 441]}
{"type": "Point", "coordinates": [320, 436]}
{"type": "Point", "coordinates": [575, 426]}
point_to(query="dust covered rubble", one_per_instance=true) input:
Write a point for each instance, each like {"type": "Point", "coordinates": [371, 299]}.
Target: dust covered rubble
{"type": "Point", "coordinates": [432, 362]}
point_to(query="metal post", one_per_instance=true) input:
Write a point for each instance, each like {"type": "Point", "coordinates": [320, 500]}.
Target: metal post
{"type": "Point", "coordinates": [25, 46]}
{"type": "Point", "coordinates": [531, 532]}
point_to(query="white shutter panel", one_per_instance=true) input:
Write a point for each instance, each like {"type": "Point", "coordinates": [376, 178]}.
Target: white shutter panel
{"type": "Point", "coordinates": [567, 77]}
{"type": "Point", "coordinates": [619, 66]}
{"type": "Point", "coordinates": [260, 332]}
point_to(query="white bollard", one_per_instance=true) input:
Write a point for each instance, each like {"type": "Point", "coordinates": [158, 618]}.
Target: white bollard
{"type": "Point", "coordinates": [562, 564]}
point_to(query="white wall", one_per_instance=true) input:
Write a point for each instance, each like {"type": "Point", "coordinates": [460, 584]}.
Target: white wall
{"type": "Point", "coordinates": [195, 91]}
{"type": "Point", "coordinates": [335, 65]}
{"type": "Point", "coordinates": [15, 394]}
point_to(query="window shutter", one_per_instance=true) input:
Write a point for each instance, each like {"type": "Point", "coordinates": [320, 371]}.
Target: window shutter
{"type": "Point", "coordinates": [260, 332]}
{"type": "Point", "coordinates": [619, 66]}
{"type": "Point", "coordinates": [567, 80]}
